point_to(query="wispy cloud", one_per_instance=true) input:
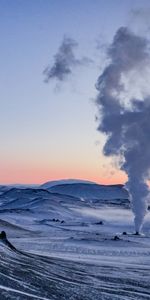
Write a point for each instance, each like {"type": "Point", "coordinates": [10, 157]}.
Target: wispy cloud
{"type": "Point", "coordinates": [64, 61]}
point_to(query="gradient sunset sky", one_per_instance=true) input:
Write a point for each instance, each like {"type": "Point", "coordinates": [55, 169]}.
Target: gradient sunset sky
{"type": "Point", "coordinates": [48, 130]}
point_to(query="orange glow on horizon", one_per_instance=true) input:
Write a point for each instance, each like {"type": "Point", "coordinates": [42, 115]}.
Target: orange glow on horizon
{"type": "Point", "coordinates": [39, 176]}
{"type": "Point", "coordinates": [38, 172]}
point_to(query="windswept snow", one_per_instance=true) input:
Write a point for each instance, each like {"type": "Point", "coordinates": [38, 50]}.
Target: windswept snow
{"type": "Point", "coordinates": [67, 247]}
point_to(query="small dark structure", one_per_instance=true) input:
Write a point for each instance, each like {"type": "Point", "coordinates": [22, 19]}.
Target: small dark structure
{"type": "Point", "coordinates": [124, 233]}
{"type": "Point", "coordinates": [116, 238]}
{"type": "Point", "coordinates": [99, 223]}
{"type": "Point", "coordinates": [137, 233]}
{"type": "Point", "coordinates": [2, 235]}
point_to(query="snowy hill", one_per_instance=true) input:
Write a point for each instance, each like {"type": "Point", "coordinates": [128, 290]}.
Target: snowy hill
{"type": "Point", "coordinates": [91, 191]}
{"type": "Point", "coordinates": [24, 194]}
{"type": "Point", "coordinates": [38, 202]}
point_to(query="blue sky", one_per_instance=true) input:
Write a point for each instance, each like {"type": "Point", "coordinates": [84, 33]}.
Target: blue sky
{"type": "Point", "coordinates": [48, 131]}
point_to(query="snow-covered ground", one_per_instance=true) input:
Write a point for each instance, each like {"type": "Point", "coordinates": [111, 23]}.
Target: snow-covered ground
{"type": "Point", "coordinates": [67, 245]}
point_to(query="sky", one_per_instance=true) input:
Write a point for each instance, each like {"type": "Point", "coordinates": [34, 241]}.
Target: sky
{"type": "Point", "coordinates": [48, 130]}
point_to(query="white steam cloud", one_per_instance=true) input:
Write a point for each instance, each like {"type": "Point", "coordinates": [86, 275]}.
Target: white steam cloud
{"type": "Point", "coordinates": [125, 119]}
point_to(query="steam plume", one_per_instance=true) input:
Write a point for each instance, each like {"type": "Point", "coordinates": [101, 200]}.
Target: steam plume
{"type": "Point", "coordinates": [127, 123]}
{"type": "Point", "coordinates": [64, 61]}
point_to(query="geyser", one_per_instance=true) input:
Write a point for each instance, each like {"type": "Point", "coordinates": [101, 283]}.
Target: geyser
{"type": "Point", "coordinates": [125, 118]}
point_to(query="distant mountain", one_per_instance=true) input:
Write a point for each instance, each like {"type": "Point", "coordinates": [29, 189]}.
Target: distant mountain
{"type": "Point", "coordinates": [8, 187]}
{"type": "Point", "coordinates": [23, 186]}
{"type": "Point", "coordinates": [90, 191]}
{"type": "Point", "coordinates": [22, 194]}
{"type": "Point", "coordinates": [49, 184]}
